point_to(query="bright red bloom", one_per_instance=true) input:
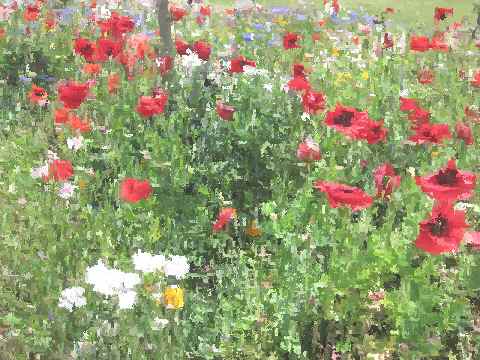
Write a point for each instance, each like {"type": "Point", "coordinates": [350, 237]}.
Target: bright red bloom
{"type": "Point", "coordinates": [225, 111]}
{"type": "Point", "coordinates": [299, 70]}
{"type": "Point", "coordinates": [476, 79]}
{"type": "Point", "coordinates": [290, 41]}
{"type": "Point", "coordinates": [60, 170]}
{"type": "Point", "coordinates": [116, 25]}
{"type": "Point", "coordinates": [50, 21]}
{"type": "Point", "coordinates": [442, 13]}
{"type": "Point", "coordinates": [149, 106]}
{"type": "Point", "coordinates": [308, 150]}
{"type": "Point", "coordinates": [165, 64]}
{"type": "Point", "coordinates": [443, 231]}
{"type": "Point", "coordinates": [107, 48]}
{"type": "Point", "coordinates": [371, 131]}
{"type": "Point", "coordinates": [343, 119]}
{"type": "Point", "coordinates": [72, 94]}
{"type": "Point", "coordinates": [78, 124]}
{"type": "Point", "coordinates": [202, 49]}
{"type": "Point", "coordinates": [344, 195]}
{"type": "Point", "coordinates": [425, 76]}
{"type": "Point", "coordinates": [419, 116]}
{"type": "Point", "coordinates": [464, 132]}
{"type": "Point", "coordinates": [31, 13]}
{"type": "Point", "coordinates": [61, 116]}
{"type": "Point", "coordinates": [85, 48]}
{"type": "Point", "coordinates": [449, 184]}
{"type": "Point", "coordinates": [205, 10]}
{"type": "Point", "coordinates": [92, 69]}
{"type": "Point", "coordinates": [386, 180]}
{"type": "Point", "coordinates": [133, 190]}
{"type": "Point", "coordinates": [224, 217]}
{"type": "Point", "coordinates": [299, 83]}
{"type": "Point", "coordinates": [38, 95]}
{"type": "Point", "coordinates": [177, 13]}
{"type": "Point", "coordinates": [438, 43]}
{"type": "Point", "coordinates": [181, 47]}
{"type": "Point", "coordinates": [408, 104]}
{"type": "Point", "coordinates": [200, 19]}
{"type": "Point", "coordinates": [237, 64]}
{"type": "Point", "coordinates": [313, 102]}
{"type": "Point", "coordinates": [430, 133]}
{"type": "Point", "coordinates": [419, 43]}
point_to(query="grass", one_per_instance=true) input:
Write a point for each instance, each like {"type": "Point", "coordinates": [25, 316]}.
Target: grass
{"type": "Point", "coordinates": [413, 13]}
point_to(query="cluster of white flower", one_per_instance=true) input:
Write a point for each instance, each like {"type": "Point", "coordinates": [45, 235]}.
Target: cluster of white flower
{"type": "Point", "coordinates": [71, 297]}
{"type": "Point", "coordinates": [113, 282]}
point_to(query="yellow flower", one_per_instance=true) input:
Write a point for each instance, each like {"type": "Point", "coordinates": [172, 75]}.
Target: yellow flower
{"type": "Point", "coordinates": [434, 154]}
{"type": "Point", "coordinates": [82, 184]}
{"type": "Point", "coordinates": [335, 52]}
{"type": "Point", "coordinates": [253, 230]}
{"type": "Point", "coordinates": [365, 75]}
{"type": "Point", "coordinates": [173, 297]}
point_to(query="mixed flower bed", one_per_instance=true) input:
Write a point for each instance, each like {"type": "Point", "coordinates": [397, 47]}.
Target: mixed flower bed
{"type": "Point", "coordinates": [268, 183]}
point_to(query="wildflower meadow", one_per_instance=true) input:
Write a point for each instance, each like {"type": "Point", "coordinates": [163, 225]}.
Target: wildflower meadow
{"type": "Point", "coordinates": [239, 180]}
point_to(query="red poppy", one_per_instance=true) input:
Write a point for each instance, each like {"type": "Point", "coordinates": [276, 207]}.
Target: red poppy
{"type": "Point", "coordinates": [116, 25]}
{"type": "Point", "coordinates": [430, 133]}
{"type": "Point", "coordinates": [50, 21]}
{"type": "Point", "coordinates": [438, 43]}
{"type": "Point", "coordinates": [205, 10]}
{"type": "Point", "coordinates": [419, 116]}
{"type": "Point", "coordinates": [386, 180]}
{"type": "Point", "coordinates": [442, 13]}
{"type": "Point", "coordinates": [224, 217]}
{"type": "Point", "coordinates": [313, 102]}
{"type": "Point", "coordinates": [225, 111]}
{"type": "Point", "coordinates": [371, 131]}
{"type": "Point", "coordinates": [200, 19]}
{"type": "Point", "coordinates": [31, 13]}
{"type": "Point", "coordinates": [443, 231]}
{"type": "Point", "coordinates": [107, 48]}
{"type": "Point", "coordinates": [408, 104]}
{"type": "Point", "coordinates": [61, 116]}
{"type": "Point", "coordinates": [149, 106]}
{"type": "Point", "coordinates": [449, 184]}
{"type": "Point", "coordinates": [464, 132]}
{"type": "Point", "coordinates": [165, 64]}
{"type": "Point", "coordinates": [390, 10]}
{"type": "Point", "coordinates": [419, 43]}
{"type": "Point", "coordinates": [202, 49]}
{"type": "Point", "coordinates": [387, 41]}
{"type": "Point", "coordinates": [425, 76]}
{"type": "Point", "coordinates": [299, 83]}
{"type": "Point", "coordinates": [85, 48]}
{"type": "Point", "coordinates": [60, 170]}
{"type": "Point", "coordinates": [133, 190]}
{"type": "Point", "coordinates": [344, 195]}
{"type": "Point", "coordinates": [290, 41]}
{"type": "Point", "coordinates": [308, 150]}
{"type": "Point", "coordinates": [298, 70]}
{"type": "Point", "coordinates": [476, 79]}
{"type": "Point", "coordinates": [113, 82]}
{"type": "Point", "coordinates": [237, 64]}
{"type": "Point", "coordinates": [92, 69]}
{"type": "Point", "coordinates": [78, 124]}
{"type": "Point", "coordinates": [177, 13]}
{"type": "Point", "coordinates": [72, 94]}
{"type": "Point", "coordinates": [181, 46]}
{"type": "Point", "coordinates": [38, 95]}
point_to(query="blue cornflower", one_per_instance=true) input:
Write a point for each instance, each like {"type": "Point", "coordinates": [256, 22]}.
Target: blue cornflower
{"type": "Point", "coordinates": [248, 36]}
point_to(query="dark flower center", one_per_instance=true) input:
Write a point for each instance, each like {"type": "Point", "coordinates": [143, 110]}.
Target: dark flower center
{"type": "Point", "coordinates": [347, 191]}
{"type": "Point", "coordinates": [443, 16]}
{"type": "Point", "coordinates": [447, 177]}
{"type": "Point", "coordinates": [439, 226]}
{"type": "Point", "coordinates": [344, 119]}
{"type": "Point", "coordinates": [39, 93]}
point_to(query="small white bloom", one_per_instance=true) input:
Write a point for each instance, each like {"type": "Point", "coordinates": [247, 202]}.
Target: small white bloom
{"type": "Point", "coordinates": [12, 189]}
{"type": "Point", "coordinates": [148, 263]}
{"type": "Point", "coordinates": [66, 191]}
{"type": "Point", "coordinates": [268, 87]}
{"type": "Point", "coordinates": [71, 297]}
{"type": "Point", "coordinates": [305, 116]}
{"type": "Point", "coordinates": [75, 143]}
{"type": "Point", "coordinates": [126, 299]}
{"type": "Point", "coordinates": [38, 172]}
{"type": "Point", "coordinates": [177, 266]}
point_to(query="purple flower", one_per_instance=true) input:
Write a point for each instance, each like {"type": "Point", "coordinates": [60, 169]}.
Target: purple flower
{"type": "Point", "coordinates": [248, 36]}
{"type": "Point", "coordinates": [280, 10]}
